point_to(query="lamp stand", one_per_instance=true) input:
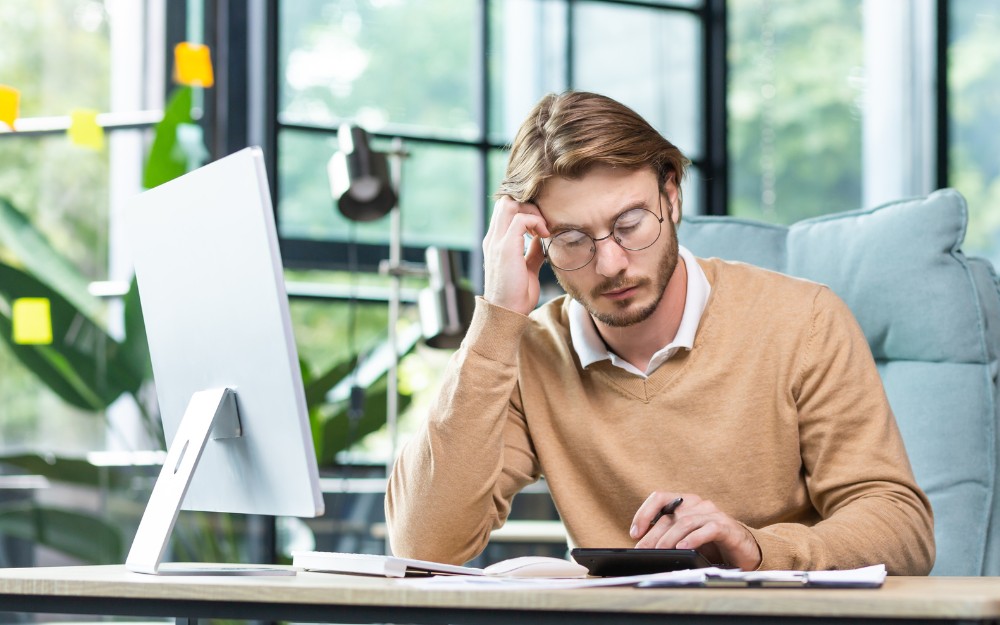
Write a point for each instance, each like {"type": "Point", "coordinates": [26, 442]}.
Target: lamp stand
{"type": "Point", "coordinates": [394, 268]}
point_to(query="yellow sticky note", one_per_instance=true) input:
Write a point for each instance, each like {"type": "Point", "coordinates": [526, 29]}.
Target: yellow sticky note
{"type": "Point", "coordinates": [193, 65]}
{"type": "Point", "coordinates": [84, 130]}
{"type": "Point", "coordinates": [32, 320]}
{"type": "Point", "coordinates": [9, 100]}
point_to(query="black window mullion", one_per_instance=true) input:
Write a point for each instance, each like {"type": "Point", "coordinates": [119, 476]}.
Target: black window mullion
{"type": "Point", "coordinates": [270, 113]}
{"type": "Point", "coordinates": [225, 119]}
{"type": "Point", "coordinates": [941, 131]}
{"type": "Point", "coordinates": [715, 172]}
{"type": "Point", "coordinates": [176, 32]}
{"type": "Point", "coordinates": [474, 268]}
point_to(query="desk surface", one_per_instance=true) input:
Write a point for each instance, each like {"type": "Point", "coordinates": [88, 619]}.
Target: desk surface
{"type": "Point", "coordinates": [321, 597]}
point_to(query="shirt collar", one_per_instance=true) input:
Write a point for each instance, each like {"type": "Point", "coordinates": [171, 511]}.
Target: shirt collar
{"type": "Point", "coordinates": [590, 347]}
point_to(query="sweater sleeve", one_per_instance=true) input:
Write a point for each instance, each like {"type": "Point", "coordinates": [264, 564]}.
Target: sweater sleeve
{"type": "Point", "coordinates": [856, 468]}
{"type": "Point", "coordinates": [454, 480]}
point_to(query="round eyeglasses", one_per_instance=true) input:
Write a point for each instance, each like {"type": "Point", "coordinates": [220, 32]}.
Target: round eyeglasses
{"type": "Point", "coordinates": [634, 230]}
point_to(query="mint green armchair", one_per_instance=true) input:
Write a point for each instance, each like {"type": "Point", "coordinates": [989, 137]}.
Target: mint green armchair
{"type": "Point", "coordinates": [932, 319]}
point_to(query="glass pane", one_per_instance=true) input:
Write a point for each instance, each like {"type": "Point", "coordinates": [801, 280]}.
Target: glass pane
{"type": "Point", "coordinates": [694, 4]}
{"type": "Point", "coordinates": [794, 107]}
{"type": "Point", "coordinates": [658, 73]}
{"type": "Point", "coordinates": [527, 59]}
{"type": "Point", "coordinates": [331, 332]}
{"type": "Point", "coordinates": [63, 190]}
{"type": "Point", "coordinates": [974, 117]}
{"type": "Point", "coordinates": [405, 63]}
{"type": "Point", "coordinates": [56, 54]}
{"type": "Point", "coordinates": [497, 170]}
{"type": "Point", "coordinates": [691, 192]}
{"type": "Point", "coordinates": [437, 198]}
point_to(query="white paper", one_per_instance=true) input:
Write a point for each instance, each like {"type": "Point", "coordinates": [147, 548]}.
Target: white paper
{"type": "Point", "coordinates": [870, 575]}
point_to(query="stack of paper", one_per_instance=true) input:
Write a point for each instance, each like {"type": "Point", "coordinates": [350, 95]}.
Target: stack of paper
{"type": "Point", "coordinates": [867, 577]}
{"type": "Point", "coordinates": [392, 566]}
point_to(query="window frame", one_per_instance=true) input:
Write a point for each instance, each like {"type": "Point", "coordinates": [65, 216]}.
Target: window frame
{"type": "Point", "coordinates": [261, 85]}
{"type": "Point", "coordinates": [265, 125]}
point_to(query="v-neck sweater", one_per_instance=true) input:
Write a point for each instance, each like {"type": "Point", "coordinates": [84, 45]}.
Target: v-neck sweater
{"type": "Point", "coordinates": [777, 415]}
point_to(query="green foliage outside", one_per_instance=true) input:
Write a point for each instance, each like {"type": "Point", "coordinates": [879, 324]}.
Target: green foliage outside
{"type": "Point", "coordinates": [85, 369]}
{"type": "Point", "coordinates": [796, 83]}
{"type": "Point", "coordinates": [410, 65]}
{"type": "Point", "coordinates": [795, 143]}
{"type": "Point", "coordinates": [794, 117]}
{"type": "Point", "coordinates": [974, 107]}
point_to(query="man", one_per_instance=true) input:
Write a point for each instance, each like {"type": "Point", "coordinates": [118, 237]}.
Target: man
{"type": "Point", "coordinates": [750, 395]}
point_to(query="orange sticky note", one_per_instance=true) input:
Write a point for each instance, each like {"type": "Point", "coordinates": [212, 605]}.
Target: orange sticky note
{"type": "Point", "coordinates": [9, 99]}
{"type": "Point", "coordinates": [193, 65]}
{"type": "Point", "coordinates": [32, 321]}
{"type": "Point", "coordinates": [84, 130]}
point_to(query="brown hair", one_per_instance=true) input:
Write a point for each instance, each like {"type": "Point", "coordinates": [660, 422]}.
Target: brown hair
{"type": "Point", "coordinates": [567, 134]}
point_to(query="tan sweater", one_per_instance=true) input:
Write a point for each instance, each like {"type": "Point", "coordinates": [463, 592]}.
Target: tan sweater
{"type": "Point", "coordinates": [777, 414]}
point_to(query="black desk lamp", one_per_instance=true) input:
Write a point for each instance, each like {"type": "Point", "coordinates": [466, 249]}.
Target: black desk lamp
{"type": "Point", "coordinates": [359, 178]}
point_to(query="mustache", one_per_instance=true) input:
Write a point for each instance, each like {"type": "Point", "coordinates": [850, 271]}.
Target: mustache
{"type": "Point", "coordinates": [616, 284]}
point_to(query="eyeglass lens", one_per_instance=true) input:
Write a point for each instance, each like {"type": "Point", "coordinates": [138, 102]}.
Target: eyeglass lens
{"type": "Point", "coordinates": [633, 230]}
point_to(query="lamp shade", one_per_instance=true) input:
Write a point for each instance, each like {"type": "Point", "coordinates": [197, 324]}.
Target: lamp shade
{"type": "Point", "coordinates": [359, 178]}
{"type": "Point", "coordinates": [445, 306]}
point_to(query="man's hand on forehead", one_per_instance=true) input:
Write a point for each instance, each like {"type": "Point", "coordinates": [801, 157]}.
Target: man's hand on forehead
{"type": "Point", "coordinates": [511, 266]}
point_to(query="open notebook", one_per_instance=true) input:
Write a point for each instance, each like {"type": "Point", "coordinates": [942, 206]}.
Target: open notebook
{"type": "Point", "coordinates": [392, 566]}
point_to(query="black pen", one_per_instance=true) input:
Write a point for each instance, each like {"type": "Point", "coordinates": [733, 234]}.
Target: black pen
{"type": "Point", "coordinates": [668, 509]}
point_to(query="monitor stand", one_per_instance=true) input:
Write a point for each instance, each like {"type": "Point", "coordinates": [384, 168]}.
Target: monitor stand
{"type": "Point", "coordinates": [210, 413]}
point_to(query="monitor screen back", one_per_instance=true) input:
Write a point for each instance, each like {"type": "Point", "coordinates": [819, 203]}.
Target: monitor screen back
{"type": "Point", "coordinates": [216, 313]}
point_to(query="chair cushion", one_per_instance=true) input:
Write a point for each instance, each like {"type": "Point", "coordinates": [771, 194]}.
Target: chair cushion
{"type": "Point", "coordinates": [932, 319]}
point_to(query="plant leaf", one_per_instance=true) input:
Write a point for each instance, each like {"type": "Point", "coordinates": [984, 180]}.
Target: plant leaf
{"type": "Point", "coordinates": [338, 432]}
{"type": "Point", "coordinates": [79, 535]}
{"type": "Point", "coordinates": [57, 468]}
{"type": "Point", "coordinates": [83, 365]}
{"type": "Point", "coordinates": [135, 348]}
{"type": "Point", "coordinates": [165, 161]}
{"type": "Point", "coordinates": [34, 252]}
{"type": "Point", "coordinates": [317, 388]}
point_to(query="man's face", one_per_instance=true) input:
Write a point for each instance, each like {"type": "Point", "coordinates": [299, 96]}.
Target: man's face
{"type": "Point", "coordinates": [618, 287]}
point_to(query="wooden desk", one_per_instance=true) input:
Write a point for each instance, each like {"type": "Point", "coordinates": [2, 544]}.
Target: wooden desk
{"type": "Point", "coordinates": [318, 597]}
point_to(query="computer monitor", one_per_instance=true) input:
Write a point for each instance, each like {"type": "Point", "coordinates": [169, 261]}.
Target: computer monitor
{"type": "Point", "coordinates": [224, 359]}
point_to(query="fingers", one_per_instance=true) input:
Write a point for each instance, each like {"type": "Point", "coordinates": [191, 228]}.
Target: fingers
{"type": "Point", "coordinates": [699, 524]}
{"type": "Point", "coordinates": [650, 509]}
{"type": "Point", "coordinates": [507, 211]}
{"type": "Point", "coordinates": [670, 531]}
{"type": "Point", "coordinates": [511, 271]}
{"type": "Point", "coordinates": [534, 256]}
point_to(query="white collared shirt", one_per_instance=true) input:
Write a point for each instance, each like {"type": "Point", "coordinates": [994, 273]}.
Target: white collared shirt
{"type": "Point", "coordinates": [590, 347]}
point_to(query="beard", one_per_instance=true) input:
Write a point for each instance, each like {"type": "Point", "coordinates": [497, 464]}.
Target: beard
{"type": "Point", "coordinates": [624, 315]}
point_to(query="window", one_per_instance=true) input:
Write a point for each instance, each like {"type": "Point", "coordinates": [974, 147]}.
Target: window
{"type": "Point", "coordinates": [838, 104]}
{"type": "Point", "coordinates": [64, 55]}
{"type": "Point", "coordinates": [974, 117]}
{"type": "Point", "coordinates": [455, 90]}
{"type": "Point", "coordinates": [795, 116]}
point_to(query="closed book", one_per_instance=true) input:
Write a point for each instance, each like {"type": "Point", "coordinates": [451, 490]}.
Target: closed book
{"type": "Point", "coordinates": [392, 566]}
{"type": "Point", "coordinates": [373, 564]}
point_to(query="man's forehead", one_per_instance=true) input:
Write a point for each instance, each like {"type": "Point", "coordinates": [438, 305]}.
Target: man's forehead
{"type": "Point", "coordinates": [606, 189]}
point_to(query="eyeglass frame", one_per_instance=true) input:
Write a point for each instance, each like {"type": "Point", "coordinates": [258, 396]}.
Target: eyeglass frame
{"type": "Point", "coordinates": [659, 206]}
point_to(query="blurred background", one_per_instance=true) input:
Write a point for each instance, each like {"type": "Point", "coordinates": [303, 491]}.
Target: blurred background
{"type": "Point", "coordinates": [787, 109]}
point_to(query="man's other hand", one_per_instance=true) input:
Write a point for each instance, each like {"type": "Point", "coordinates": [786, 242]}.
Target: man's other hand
{"type": "Point", "coordinates": [696, 524]}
